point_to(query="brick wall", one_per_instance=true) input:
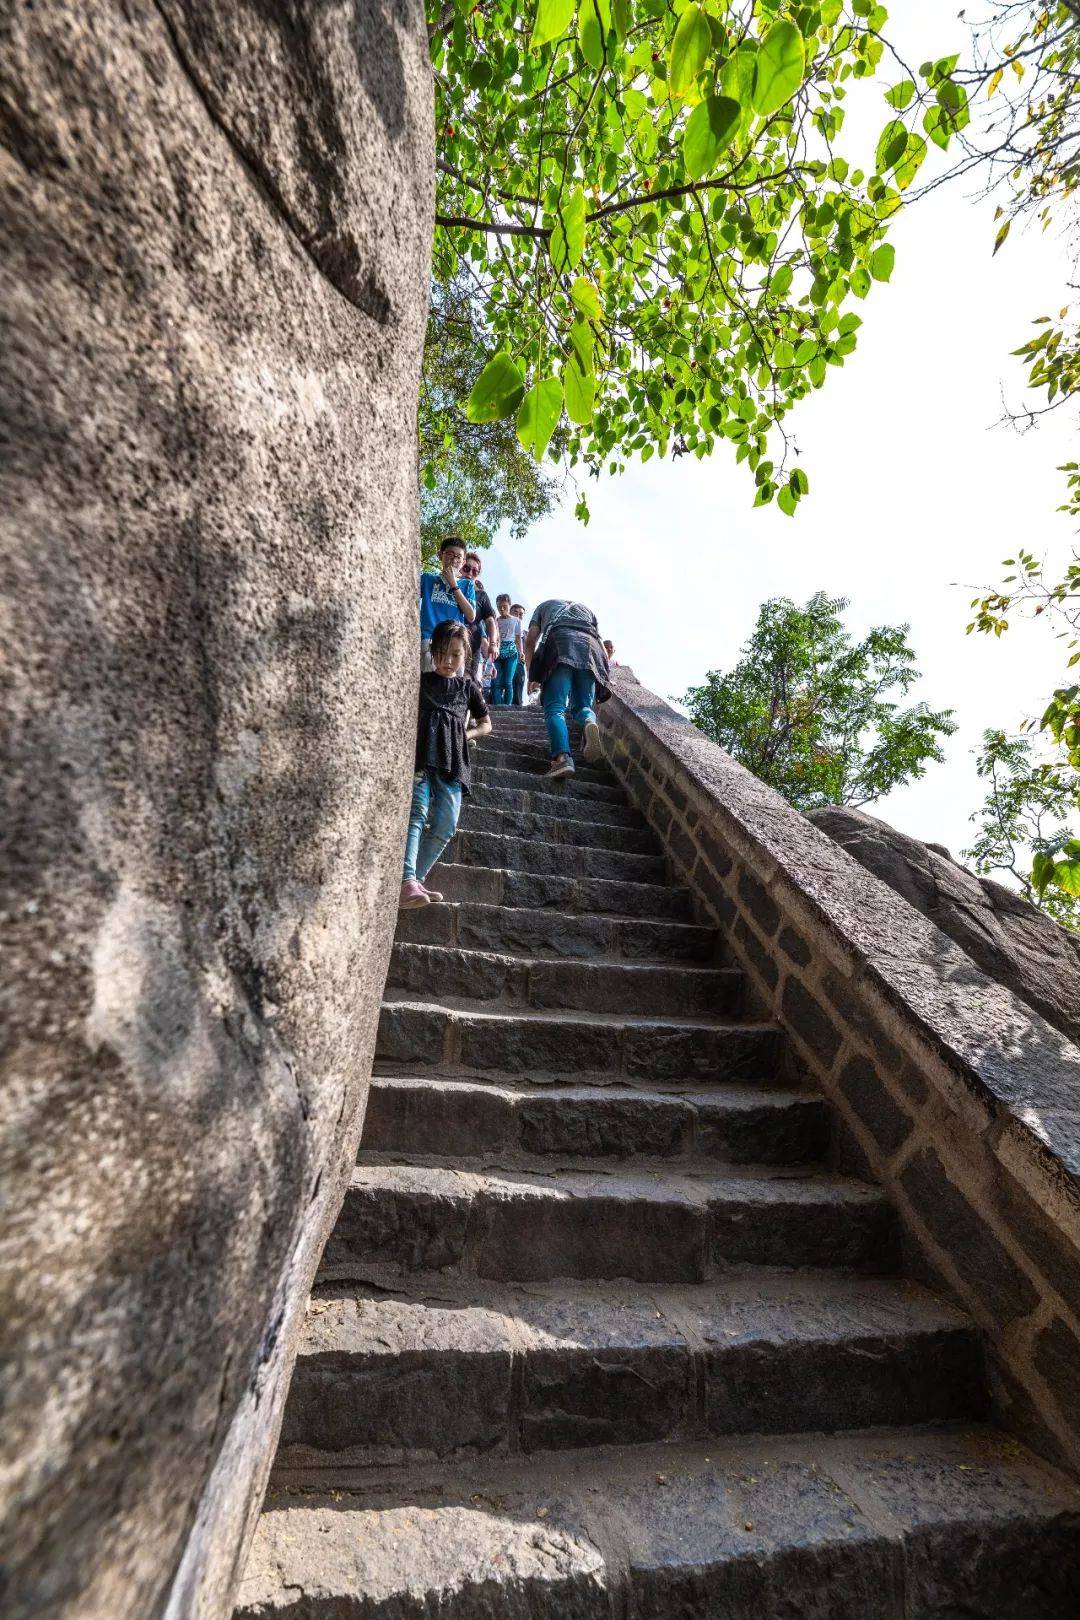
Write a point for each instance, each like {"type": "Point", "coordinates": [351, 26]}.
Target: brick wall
{"type": "Point", "coordinates": [947, 1089]}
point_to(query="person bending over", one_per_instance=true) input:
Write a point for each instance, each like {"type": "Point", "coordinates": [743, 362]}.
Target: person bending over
{"type": "Point", "coordinates": [452, 709]}
{"type": "Point", "coordinates": [569, 667]}
{"type": "Point", "coordinates": [443, 596]}
{"type": "Point", "coordinates": [509, 653]}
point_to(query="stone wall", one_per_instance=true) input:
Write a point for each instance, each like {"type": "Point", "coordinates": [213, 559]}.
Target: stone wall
{"type": "Point", "coordinates": [213, 284]}
{"type": "Point", "coordinates": [948, 1090]}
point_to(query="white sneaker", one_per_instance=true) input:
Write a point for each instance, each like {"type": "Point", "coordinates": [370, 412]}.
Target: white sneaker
{"type": "Point", "coordinates": [593, 748]}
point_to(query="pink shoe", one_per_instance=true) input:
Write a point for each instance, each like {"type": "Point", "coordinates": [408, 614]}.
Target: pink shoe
{"type": "Point", "coordinates": [432, 894]}
{"type": "Point", "coordinates": [413, 896]}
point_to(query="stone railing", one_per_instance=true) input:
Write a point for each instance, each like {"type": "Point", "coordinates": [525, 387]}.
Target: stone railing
{"type": "Point", "coordinates": [947, 1089]}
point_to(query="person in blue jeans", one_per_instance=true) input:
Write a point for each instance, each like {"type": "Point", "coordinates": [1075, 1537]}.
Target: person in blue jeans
{"type": "Point", "coordinates": [452, 709]}
{"type": "Point", "coordinates": [567, 664]}
{"type": "Point", "coordinates": [509, 653]}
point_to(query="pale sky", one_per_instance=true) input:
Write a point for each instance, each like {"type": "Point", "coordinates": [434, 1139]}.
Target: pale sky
{"type": "Point", "coordinates": [913, 488]}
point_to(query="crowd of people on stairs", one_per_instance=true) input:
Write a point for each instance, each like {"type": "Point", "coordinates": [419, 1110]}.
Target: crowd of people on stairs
{"type": "Point", "coordinates": [474, 657]}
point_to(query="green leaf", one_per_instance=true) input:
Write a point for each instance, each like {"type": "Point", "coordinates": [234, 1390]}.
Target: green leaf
{"type": "Point", "coordinates": [737, 78]}
{"type": "Point", "coordinates": [781, 281]}
{"type": "Point", "coordinates": [584, 297]}
{"type": "Point", "coordinates": [900, 94]}
{"type": "Point", "coordinates": [552, 20]}
{"type": "Point", "coordinates": [1001, 235]}
{"type": "Point", "coordinates": [914, 153]}
{"type": "Point", "coordinates": [581, 341]}
{"type": "Point", "coordinates": [1042, 870]}
{"type": "Point", "coordinates": [580, 390]}
{"type": "Point", "coordinates": [593, 23]}
{"type": "Point", "coordinates": [497, 392]}
{"type": "Point", "coordinates": [892, 146]}
{"type": "Point", "coordinates": [1067, 876]}
{"type": "Point", "coordinates": [787, 501]}
{"type": "Point", "coordinates": [690, 49]}
{"type": "Point", "coordinates": [709, 129]}
{"type": "Point", "coordinates": [780, 68]}
{"type": "Point", "coordinates": [539, 415]}
{"type": "Point", "coordinates": [882, 261]}
{"type": "Point", "coordinates": [567, 241]}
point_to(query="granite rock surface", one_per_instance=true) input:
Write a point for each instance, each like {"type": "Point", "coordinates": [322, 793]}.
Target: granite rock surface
{"type": "Point", "coordinates": [1004, 934]}
{"type": "Point", "coordinates": [213, 283]}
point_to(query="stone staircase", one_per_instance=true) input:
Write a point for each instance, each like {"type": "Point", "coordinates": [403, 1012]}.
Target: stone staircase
{"type": "Point", "coordinates": [598, 1333]}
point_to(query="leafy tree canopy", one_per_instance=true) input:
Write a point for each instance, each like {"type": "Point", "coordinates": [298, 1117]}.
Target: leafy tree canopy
{"type": "Point", "coordinates": [475, 478]}
{"type": "Point", "coordinates": [1023, 825]}
{"type": "Point", "coordinates": [817, 715]}
{"type": "Point", "coordinates": [650, 205]}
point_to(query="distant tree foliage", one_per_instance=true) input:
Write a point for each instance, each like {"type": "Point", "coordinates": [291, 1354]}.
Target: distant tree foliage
{"type": "Point", "coordinates": [475, 478]}
{"type": "Point", "coordinates": [1023, 825]}
{"type": "Point", "coordinates": [1028, 592]}
{"type": "Point", "coordinates": [818, 716]}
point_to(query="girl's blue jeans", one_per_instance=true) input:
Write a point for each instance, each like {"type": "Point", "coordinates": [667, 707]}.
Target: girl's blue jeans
{"type": "Point", "coordinates": [576, 687]}
{"type": "Point", "coordinates": [433, 819]}
{"type": "Point", "coordinates": [505, 669]}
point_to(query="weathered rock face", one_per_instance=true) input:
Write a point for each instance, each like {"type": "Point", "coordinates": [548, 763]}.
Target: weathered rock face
{"type": "Point", "coordinates": [1002, 932]}
{"type": "Point", "coordinates": [217, 223]}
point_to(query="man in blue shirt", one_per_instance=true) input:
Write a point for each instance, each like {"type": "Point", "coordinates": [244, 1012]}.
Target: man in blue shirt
{"type": "Point", "coordinates": [444, 595]}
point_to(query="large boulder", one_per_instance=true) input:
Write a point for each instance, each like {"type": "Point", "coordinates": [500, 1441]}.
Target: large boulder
{"type": "Point", "coordinates": [1009, 938]}
{"type": "Point", "coordinates": [213, 282]}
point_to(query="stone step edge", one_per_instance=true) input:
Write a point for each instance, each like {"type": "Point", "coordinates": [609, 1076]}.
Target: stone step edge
{"type": "Point", "coordinates": [586, 824]}
{"type": "Point", "coordinates": [872, 1506]}
{"type": "Point", "coordinates": [570, 787]}
{"type": "Point", "coordinates": [721, 973]}
{"type": "Point", "coordinates": [466, 871]}
{"type": "Point", "coordinates": [574, 919]}
{"type": "Point", "coordinates": [633, 858]}
{"type": "Point", "coordinates": [724, 1124]}
{"type": "Point", "coordinates": [698, 1348]}
{"type": "Point", "coordinates": [458, 1007]}
{"type": "Point", "coordinates": [556, 1084]}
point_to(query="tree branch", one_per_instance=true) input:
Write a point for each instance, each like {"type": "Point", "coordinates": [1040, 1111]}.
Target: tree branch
{"type": "Point", "coordinates": [495, 227]}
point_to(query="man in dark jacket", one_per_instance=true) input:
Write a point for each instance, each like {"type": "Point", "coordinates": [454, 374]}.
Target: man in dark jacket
{"type": "Point", "coordinates": [483, 626]}
{"type": "Point", "coordinates": [568, 665]}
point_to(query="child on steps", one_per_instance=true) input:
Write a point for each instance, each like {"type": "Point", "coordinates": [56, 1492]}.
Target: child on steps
{"type": "Point", "coordinates": [452, 709]}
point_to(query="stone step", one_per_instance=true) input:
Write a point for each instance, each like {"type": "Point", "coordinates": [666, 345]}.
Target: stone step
{"type": "Point", "coordinates": [916, 1524]}
{"type": "Point", "coordinates": [479, 817]}
{"type": "Point", "coordinates": [606, 897]}
{"type": "Point", "coordinates": [646, 1223]}
{"type": "Point", "coordinates": [410, 1115]}
{"type": "Point", "coordinates": [556, 805]}
{"type": "Point", "coordinates": [531, 1042]}
{"type": "Point", "coordinates": [593, 986]}
{"type": "Point", "coordinates": [555, 934]}
{"type": "Point", "coordinates": [556, 860]}
{"type": "Point", "coordinates": [452, 1367]}
{"type": "Point", "coordinates": [536, 762]}
{"type": "Point", "coordinates": [576, 787]}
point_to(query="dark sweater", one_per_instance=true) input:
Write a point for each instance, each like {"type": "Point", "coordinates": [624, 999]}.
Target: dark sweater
{"type": "Point", "coordinates": [446, 701]}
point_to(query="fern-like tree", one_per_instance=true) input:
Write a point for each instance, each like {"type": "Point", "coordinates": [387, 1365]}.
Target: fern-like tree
{"type": "Point", "coordinates": [477, 479]}
{"type": "Point", "coordinates": [818, 716]}
{"type": "Point", "coordinates": [1023, 825]}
